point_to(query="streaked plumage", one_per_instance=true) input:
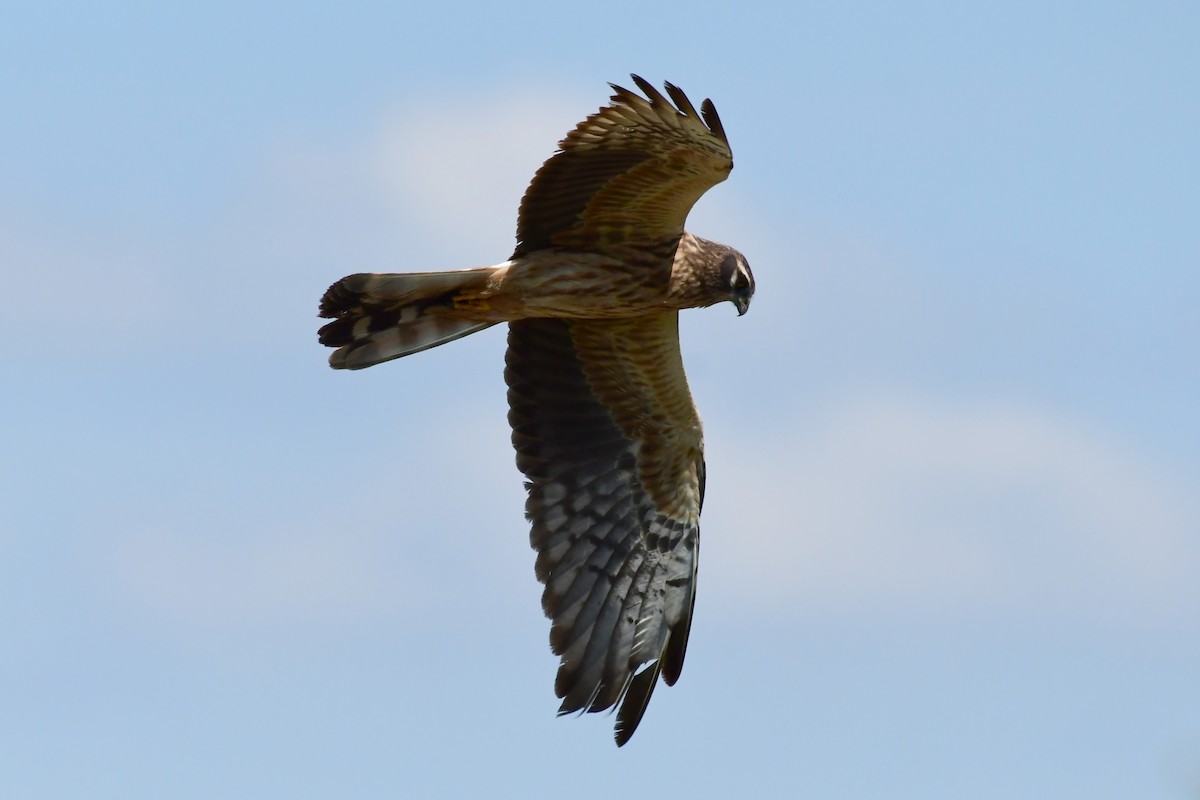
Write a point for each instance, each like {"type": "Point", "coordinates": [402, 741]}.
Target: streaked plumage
{"type": "Point", "coordinates": [603, 423]}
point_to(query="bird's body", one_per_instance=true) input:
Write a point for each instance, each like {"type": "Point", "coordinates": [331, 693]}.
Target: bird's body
{"type": "Point", "coordinates": [623, 283]}
{"type": "Point", "coordinates": [603, 423]}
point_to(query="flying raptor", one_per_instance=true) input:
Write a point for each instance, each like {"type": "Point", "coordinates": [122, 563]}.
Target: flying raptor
{"type": "Point", "coordinates": [604, 426]}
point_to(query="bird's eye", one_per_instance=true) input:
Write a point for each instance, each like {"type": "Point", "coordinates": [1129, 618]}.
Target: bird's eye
{"type": "Point", "coordinates": [740, 280]}
{"type": "Point", "coordinates": [729, 270]}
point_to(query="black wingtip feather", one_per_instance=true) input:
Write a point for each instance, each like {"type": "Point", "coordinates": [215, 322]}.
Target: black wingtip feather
{"type": "Point", "coordinates": [644, 85]}
{"type": "Point", "coordinates": [654, 95]}
{"type": "Point", "coordinates": [633, 708]}
{"type": "Point", "coordinates": [680, 99]}
{"type": "Point", "coordinates": [709, 112]}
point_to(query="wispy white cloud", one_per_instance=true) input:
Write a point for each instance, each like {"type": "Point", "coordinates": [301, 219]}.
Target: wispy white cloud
{"type": "Point", "coordinates": [903, 501]}
{"type": "Point", "coordinates": [460, 169]}
{"type": "Point", "coordinates": [430, 182]}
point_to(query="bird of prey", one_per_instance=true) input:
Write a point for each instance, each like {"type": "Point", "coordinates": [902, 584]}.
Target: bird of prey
{"type": "Point", "coordinates": [604, 426]}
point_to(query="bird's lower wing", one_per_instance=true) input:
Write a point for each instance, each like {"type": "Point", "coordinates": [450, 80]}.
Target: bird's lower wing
{"type": "Point", "coordinates": [608, 437]}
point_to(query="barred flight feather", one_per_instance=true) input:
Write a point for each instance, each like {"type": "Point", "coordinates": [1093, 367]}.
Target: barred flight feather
{"type": "Point", "coordinates": [612, 563]}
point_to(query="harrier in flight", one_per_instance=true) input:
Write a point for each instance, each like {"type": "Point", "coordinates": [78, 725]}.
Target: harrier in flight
{"type": "Point", "coordinates": [603, 423]}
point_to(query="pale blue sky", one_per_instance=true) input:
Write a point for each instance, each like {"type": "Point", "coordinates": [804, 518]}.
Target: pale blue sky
{"type": "Point", "coordinates": [952, 533]}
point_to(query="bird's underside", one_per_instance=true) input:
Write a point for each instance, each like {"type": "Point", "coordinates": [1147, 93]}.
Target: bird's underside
{"type": "Point", "coordinates": [608, 438]}
{"type": "Point", "coordinates": [603, 424]}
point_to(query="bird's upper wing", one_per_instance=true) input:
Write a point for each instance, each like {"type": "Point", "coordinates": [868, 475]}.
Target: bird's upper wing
{"type": "Point", "coordinates": [607, 434]}
{"type": "Point", "coordinates": [629, 173]}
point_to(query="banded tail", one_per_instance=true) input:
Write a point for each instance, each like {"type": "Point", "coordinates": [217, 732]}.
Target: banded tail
{"type": "Point", "coordinates": [380, 317]}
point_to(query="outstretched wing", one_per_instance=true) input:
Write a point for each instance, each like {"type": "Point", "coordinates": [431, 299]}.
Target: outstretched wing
{"type": "Point", "coordinates": [629, 173]}
{"type": "Point", "coordinates": [607, 434]}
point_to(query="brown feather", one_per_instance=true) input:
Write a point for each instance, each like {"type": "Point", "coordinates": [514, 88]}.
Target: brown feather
{"type": "Point", "coordinates": [629, 173]}
{"type": "Point", "coordinates": [606, 432]}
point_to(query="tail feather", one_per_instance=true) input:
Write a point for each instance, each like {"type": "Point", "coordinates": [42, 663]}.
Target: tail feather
{"type": "Point", "coordinates": [377, 318]}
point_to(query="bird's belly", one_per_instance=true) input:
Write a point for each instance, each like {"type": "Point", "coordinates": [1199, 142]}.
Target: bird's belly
{"type": "Point", "coordinates": [581, 287]}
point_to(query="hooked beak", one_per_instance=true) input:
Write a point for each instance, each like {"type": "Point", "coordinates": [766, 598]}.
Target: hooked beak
{"type": "Point", "coordinates": [743, 304]}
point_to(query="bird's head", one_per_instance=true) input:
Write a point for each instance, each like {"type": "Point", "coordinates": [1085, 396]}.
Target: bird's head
{"type": "Point", "coordinates": [706, 273]}
{"type": "Point", "coordinates": [738, 279]}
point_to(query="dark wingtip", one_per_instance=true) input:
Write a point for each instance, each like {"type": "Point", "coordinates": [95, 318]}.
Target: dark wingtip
{"type": "Point", "coordinates": [633, 707]}
{"type": "Point", "coordinates": [680, 99]}
{"type": "Point", "coordinates": [709, 112]}
{"type": "Point", "coordinates": [653, 95]}
{"type": "Point", "coordinates": [623, 95]}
